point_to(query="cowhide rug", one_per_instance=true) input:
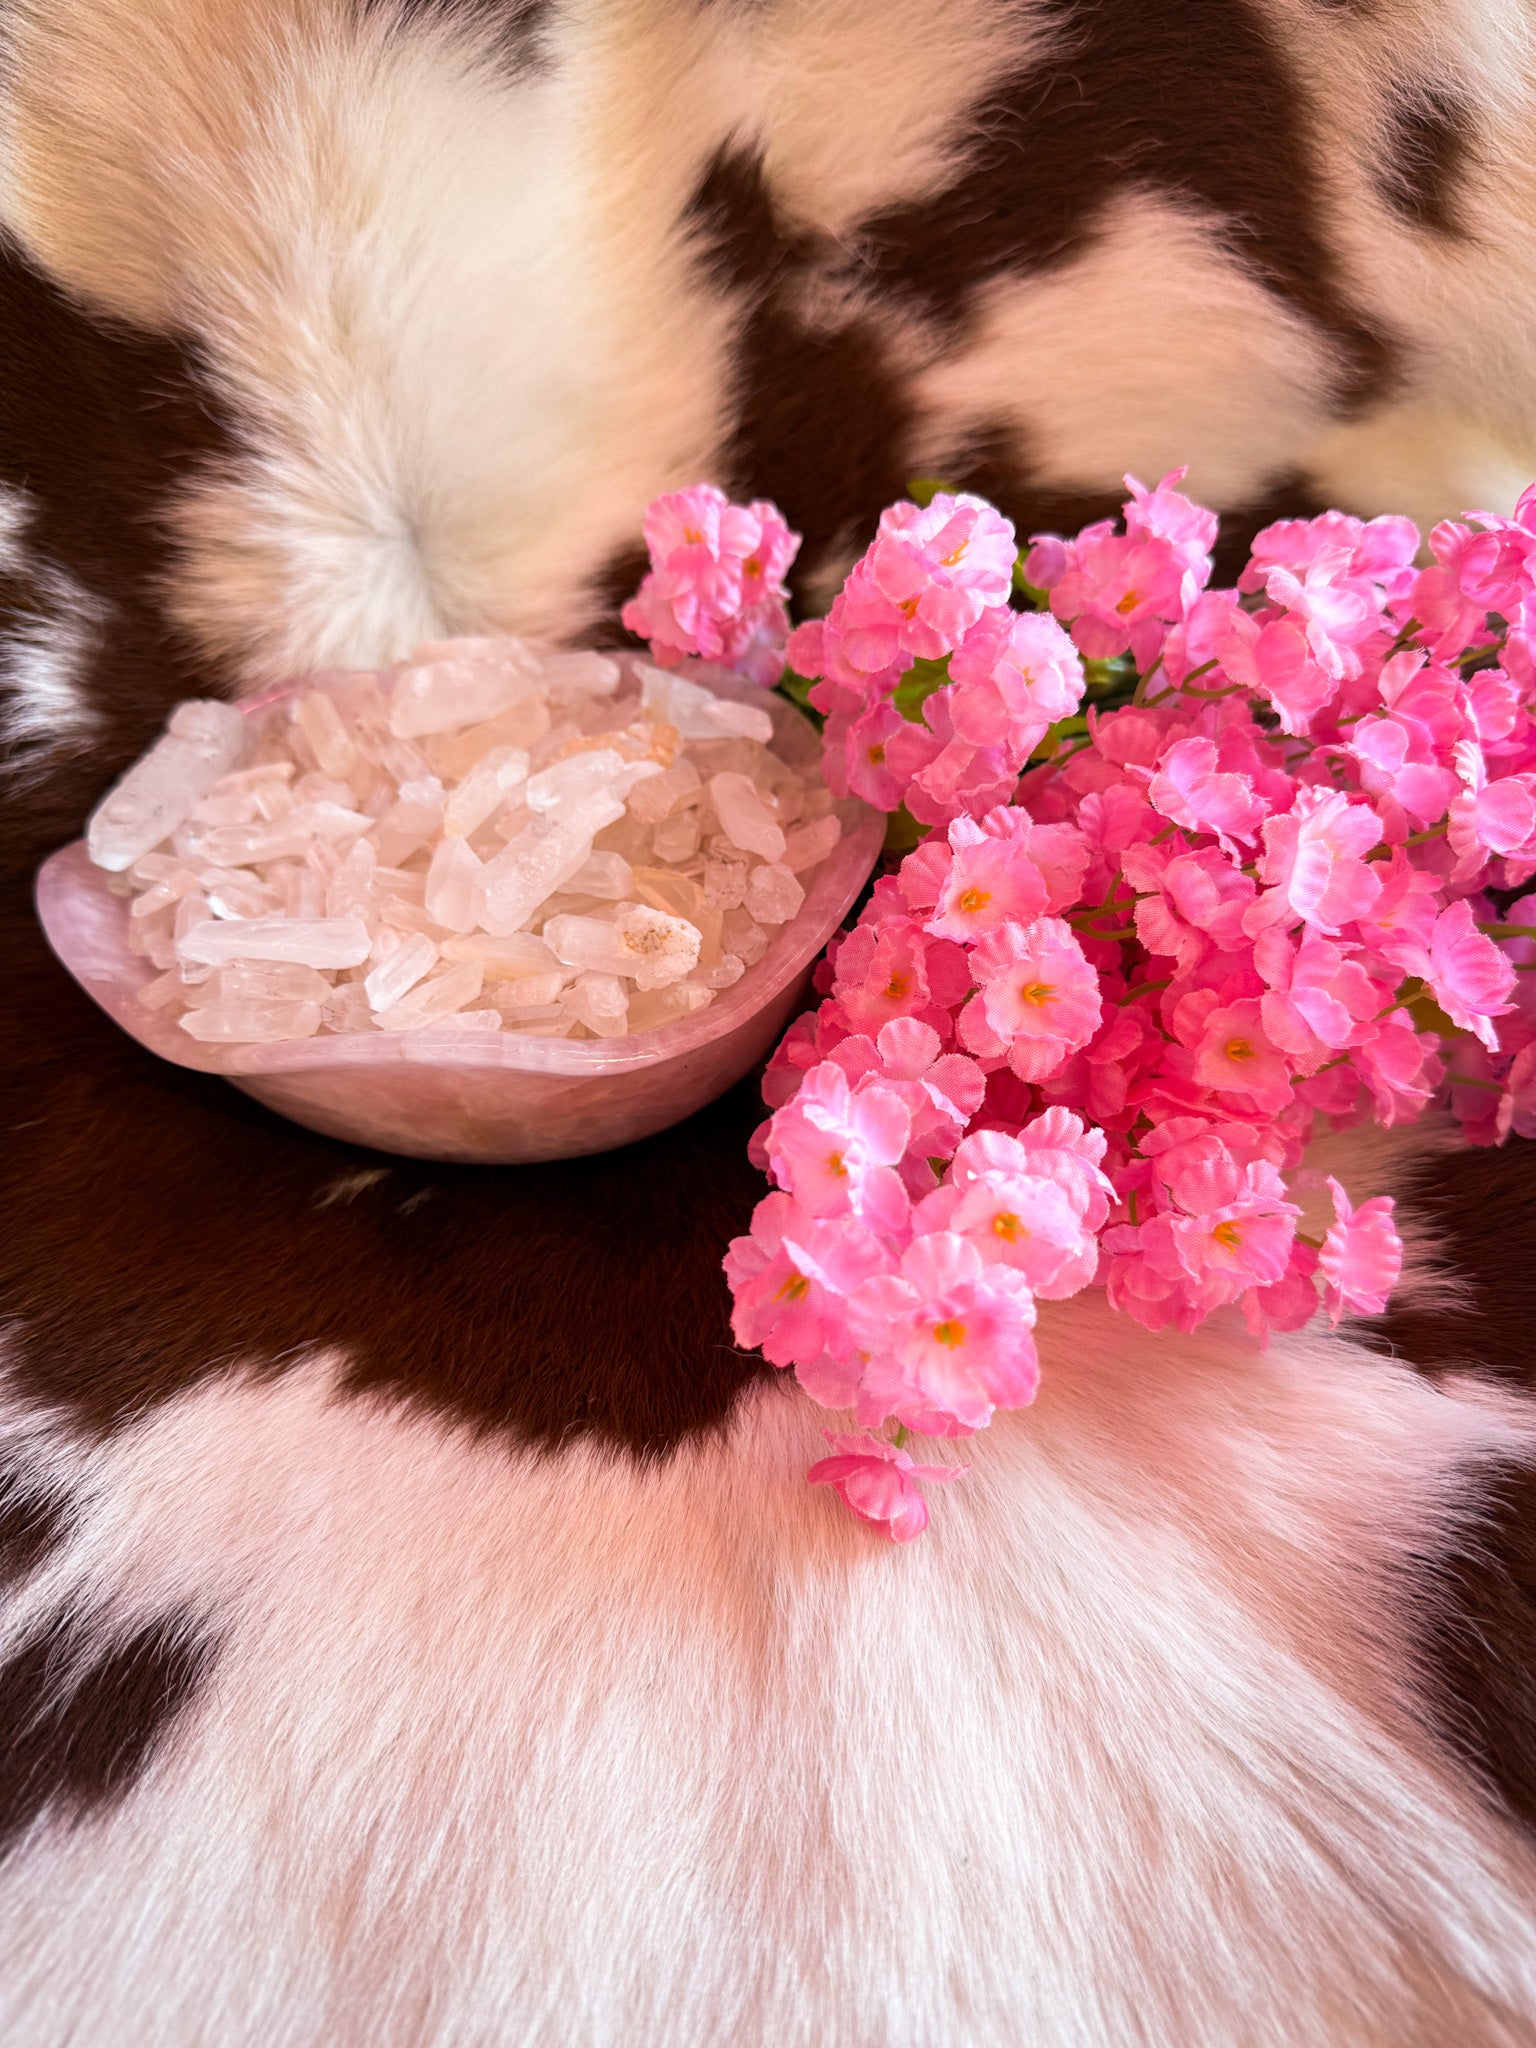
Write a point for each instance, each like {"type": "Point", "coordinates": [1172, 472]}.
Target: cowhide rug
{"type": "Point", "coordinates": [416, 1631]}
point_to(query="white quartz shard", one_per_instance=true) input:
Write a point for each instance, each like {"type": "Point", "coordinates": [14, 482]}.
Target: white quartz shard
{"type": "Point", "coordinates": [606, 874]}
{"type": "Point", "coordinates": [472, 1022]}
{"type": "Point", "coordinates": [773, 894]}
{"type": "Point", "coordinates": [600, 1002]}
{"type": "Point", "coordinates": [483, 789]}
{"type": "Point", "coordinates": [595, 674]}
{"type": "Point", "coordinates": [676, 838]}
{"type": "Point", "coordinates": [270, 981]}
{"type": "Point", "coordinates": [158, 793]}
{"type": "Point", "coordinates": [540, 860]}
{"type": "Point", "coordinates": [725, 883]}
{"type": "Point", "coordinates": [742, 935]}
{"type": "Point", "coordinates": [663, 948]}
{"type": "Point", "coordinates": [442, 689]}
{"type": "Point", "coordinates": [455, 988]}
{"type": "Point", "coordinates": [511, 958]}
{"type": "Point", "coordinates": [453, 885]}
{"type": "Point", "coordinates": [319, 720]}
{"type": "Point", "coordinates": [808, 845]}
{"type": "Point", "coordinates": [400, 971]}
{"type": "Point", "coordinates": [697, 713]}
{"type": "Point", "coordinates": [252, 1022]}
{"type": "Point", "coordinates": [586, 774]}
{"type": "Point", "coordinates": [318, 942]}
{"type": "Point", "coordinates": [744, 817]}
{"type": "Point", "coordinates": [660, 795]}
{"type": "Point", "coordinates": [590, 944]}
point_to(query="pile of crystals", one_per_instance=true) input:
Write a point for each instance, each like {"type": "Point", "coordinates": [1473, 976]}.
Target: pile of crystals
{"type": "Point", "coordinates": [491, 837]}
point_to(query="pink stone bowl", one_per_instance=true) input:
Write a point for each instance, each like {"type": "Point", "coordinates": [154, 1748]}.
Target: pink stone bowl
{"type": "Point", "coordinates": [499, 1098]}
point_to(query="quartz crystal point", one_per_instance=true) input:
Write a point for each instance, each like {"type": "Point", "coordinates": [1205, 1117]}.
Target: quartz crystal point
{"type": "Point", "coordinates": [158, 793]}
{"type": "Point", "coordinates": [449, 689]}
{"type": "Point", "coordinates": [313, 942]}
{"type": "Point", "coordinates": [493, 837]}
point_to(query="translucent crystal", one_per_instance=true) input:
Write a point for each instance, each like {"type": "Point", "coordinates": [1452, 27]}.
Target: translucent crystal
{"type": "Point", "coordinates": [742, 935]}
{"type": "Point", "coordinates": [583, 775]}
{"type": "Point", "coordinates": [660, 795]}
{"type": "Point", "coordinates": [472, 1022]}
{"type": "Point", "coordinates": [595, 674]}
{"type": "Point", "coordinates": [522, 725]}
{"type": "Point", "coordinates": [725, 973]}
{"type": "Point", "coordinates": [319, 942]}
{"type": "Point", "coordinates": [529, 991]}
{"type": "Point", "coordinates": [503, 959]}
{"type": "Point", "coordinates": [161, 895]}
{"type": "Point", "coordinates": [599, 1001]}
{"type": "Point", "coordinates": [604, 874]}
{"type": "Point", "coordinates": [696, 712]}
{"type": "Point", "coordinates": [484, 788]}
{"type": "Point", "coordinates": [350, 888]}
{"type": "Point", "coordinates": [466, 684]}
{"type": "Point", "coordinates": [773, 894]}
{"type": "Point", "coordinates": [146, 805]}
{"type": "Point", "coordinates": [334, 747]}
{"type": "Point", "coordinates": [252, 1022]}
{"type": "Point", "coordinates": [413, 959]}
{"type": "Point", "coordinates": [676, 838]}
{"type": "Point", "coordinates": [165, 990]}
{"type": "Point", "coordinates": [270, 981]}
{"type": "Point", "coordinates": [725, 883]}
{"type": "Point", "coordinates": [662, 948]}
{"type": "Point", "coordinates": [347, 1008]}
{"type": "Point", "coordinates": [543, 856]}
{"type": "Point", "coordinates": [453, 885]}
{"type": "Point", "coordinates": [455, 988]}
{"type": "Point", "coordinates": [744, 816]}
{"type": "Point", "coordinates": [810, 844]}
{"type": "Point", "coordinates": [415, 817]}
{"type": "Point", "coordinates": [590, 943]}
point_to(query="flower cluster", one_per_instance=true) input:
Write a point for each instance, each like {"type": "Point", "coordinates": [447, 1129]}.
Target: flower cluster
{"type": "Point", "coordinates": [1268, 883]}
{"type": "Point", "coordinates": [716, 583]}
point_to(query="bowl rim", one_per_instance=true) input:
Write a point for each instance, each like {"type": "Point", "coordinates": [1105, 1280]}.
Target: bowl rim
{"type": "Point", "coordinates": [112, 975]}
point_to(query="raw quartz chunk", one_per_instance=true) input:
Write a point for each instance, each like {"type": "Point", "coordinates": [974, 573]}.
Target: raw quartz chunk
{"type": "Point", "coordinates": [745, 818]}
{"type": "Point", "coordinates": [158, 793]}
{"type": "Point", "coordinates": [458, 683]}
{"type": "Point", "coordinates": [392, 852]}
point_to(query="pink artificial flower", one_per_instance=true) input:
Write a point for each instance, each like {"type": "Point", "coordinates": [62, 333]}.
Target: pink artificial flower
{"type": "Point", "coordinates": [1319, 994]}
{"type": "Point", "coordinates": [1362, 1255]}
{"type": "Point", "coordinates": [834, 1148]}
{"type": "Point", "coordinates": [949, 1339]}
{"type": "Point", "coordinates": [927, 577]}
{"type": "Point", "coordinates": [879, 1483]}
{"type": "Point", "coordinates": [1015, 674]}
{"type": "Point", "coordinates": [1274, 659]}
{"type": "Point", "coordinates": [1235, 1056]}
{"type": "Point", "coordinates": [790, 1278]}
{"type": "Point", "coordinates": [1189, 789]}
{"type": "Point", "coordinates": [1039, 996]}
{"type": "Point", "coordinates": [1167, 515]}
{"type": "Point", "coordinates": [1117, 594]}
{"type": "Point", "coordinates": [991, 881]}
{"type": "Point", "coordinates": [866, 755]}
{"type": "Point", "coordinates": [1469, 977]}
{"type": "Point", "coordinates": [1314, 857]}
{"type": "Point", "coordinates": [716, 584]}
{"type": "Point", "coordinates": [1336, 605]}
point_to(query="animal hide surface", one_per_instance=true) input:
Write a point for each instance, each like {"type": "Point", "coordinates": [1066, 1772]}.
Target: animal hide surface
{"type": "Point", "coordinates": [415, 1631]}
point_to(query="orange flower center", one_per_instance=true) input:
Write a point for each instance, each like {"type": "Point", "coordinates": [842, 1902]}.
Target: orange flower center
{"type": "Point", "coordinates": [1128, 603]}
{"type": "Point", "coordinates": [974, 899]}
{"type": "Point", "coordinates": [836, 1167]}
{"type": "Point", "coordinates": [908, 608]}
{"type": "Point", "coordinates": [1037, 993]}
{"type": "Point", "coordinates": [753, 566]}
{"type": "Point", "coordinates": [795, 1288]}
{"type": "Point", "coordinates": [692, 535]}
{"type": "Point", "coordinates": [1006, 1225]}
{"type": "Point", "coordinates": [877, 756]}
{"type": "Point", "coordinates": [1229, 1235]}
{"type": "Point", "coordinates": [951, 1333]}
{"type": "Point", "coordinates": [898, 985]}
{"type": "Point", "coordinates": [949, 561]}
{"type": "Point", "coordinates": [1238, 1049]}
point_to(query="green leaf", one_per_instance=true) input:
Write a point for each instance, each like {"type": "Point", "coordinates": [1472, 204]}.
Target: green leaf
{"type": "Point", "coordinates": [918, 685]}
{"type": "Point", "coordinates": [797, 689]}
{"type": "Point", "coordinates": [1425, 1012]}
{"type": "Point", "coordinates": [922, 490]}
{"type": "Point", "coordinates": [903, 832]}
{"type": "Point", "coordinates": [1035, 598]}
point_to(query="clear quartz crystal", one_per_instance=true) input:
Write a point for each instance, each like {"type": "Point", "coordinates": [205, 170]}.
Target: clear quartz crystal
{"type": "Point", "coordinates": [318, 942]}
{"type": "Point", "coordinates": [386, 857]}
{"type": "Point", "coordinates": [745, 817]}
{"type": "Point", "coordinates": [773, 894]}
{"type": "Point", "coordinates": [158, 793]}
{"type": "Point", "coordinates": [808, 845]}
{"type": "Point", "coordinates": [252, 1021]}
{"type": "Point", "coordinates": [454, 988]}
{"type": "Point", "coordinates": [399, 972]}
{"type": "Point", "coordinates": [599, 1001]}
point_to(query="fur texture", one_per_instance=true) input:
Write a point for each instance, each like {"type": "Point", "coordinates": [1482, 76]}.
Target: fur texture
{"type": "Point", "coordinates": [414, 1627]}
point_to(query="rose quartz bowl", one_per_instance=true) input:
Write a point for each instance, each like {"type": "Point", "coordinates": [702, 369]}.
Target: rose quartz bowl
{"type": "Point", "coordinates": [501, 1098]}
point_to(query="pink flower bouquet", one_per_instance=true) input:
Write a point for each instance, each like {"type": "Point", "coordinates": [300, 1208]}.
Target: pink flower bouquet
{"type": "Point", "coordinates": [1204, 871]}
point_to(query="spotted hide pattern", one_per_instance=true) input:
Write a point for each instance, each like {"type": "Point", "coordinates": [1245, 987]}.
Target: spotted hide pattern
{"type": "Point", "coordinates": [415, 1631]}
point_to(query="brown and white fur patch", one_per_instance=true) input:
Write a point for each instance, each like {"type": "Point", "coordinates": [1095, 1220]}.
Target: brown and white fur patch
{"type": "Point", "coordinates": [414, 1627]}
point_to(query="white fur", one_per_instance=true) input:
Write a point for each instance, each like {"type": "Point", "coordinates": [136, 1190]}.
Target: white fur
{"type": "Point", "coordinates": [507, 1748]}
{"type": "Point", "coordinates": [44, 650]}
